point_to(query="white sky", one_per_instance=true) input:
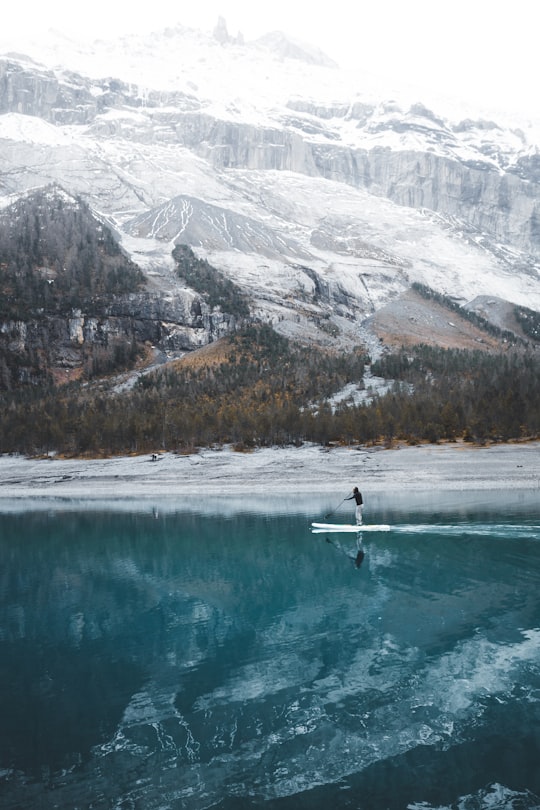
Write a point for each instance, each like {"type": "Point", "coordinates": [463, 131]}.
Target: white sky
{"type": "Point", "coordinates": [480, 50]}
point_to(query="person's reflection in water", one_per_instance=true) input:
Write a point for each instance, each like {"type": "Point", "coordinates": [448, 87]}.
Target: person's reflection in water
{"type": "Point", "coordinates": [356, 557]}
{"type": "Point", "coordinates": [360, 553]}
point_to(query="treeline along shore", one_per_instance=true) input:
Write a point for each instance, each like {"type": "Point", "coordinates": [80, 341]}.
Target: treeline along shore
{"type": "Point", "coordinates": [257, 389]}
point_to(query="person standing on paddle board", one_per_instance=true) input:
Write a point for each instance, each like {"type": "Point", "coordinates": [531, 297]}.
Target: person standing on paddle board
{"type": "Point", "coordinates": [357, 495]}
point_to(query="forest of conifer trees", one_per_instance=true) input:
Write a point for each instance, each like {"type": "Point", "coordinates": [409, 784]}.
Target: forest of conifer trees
{"type": "Point", "coordinates": [54, 256]}
{"type": "Point", "coordinates": [263, 390]}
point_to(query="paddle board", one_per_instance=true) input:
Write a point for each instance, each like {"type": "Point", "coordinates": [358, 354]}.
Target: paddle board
{"type": "Point", "coordinates": [344, 527]}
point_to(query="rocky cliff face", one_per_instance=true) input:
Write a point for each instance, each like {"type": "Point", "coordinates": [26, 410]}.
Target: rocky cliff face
{"type": "Point", "coordinates": [504, 204]}
{"type": "Point", "coordinates": [491, 188]}
{"type": "Point", "coordinates": [61, 348]}
{"type": "Point", "coordinates": [65, 97]}
{"type": "Point", "coordinates": [175, 324]}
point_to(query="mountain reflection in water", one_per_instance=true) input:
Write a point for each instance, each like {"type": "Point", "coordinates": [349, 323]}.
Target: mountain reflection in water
{"type": "Point", "coordinates": [170, 659]}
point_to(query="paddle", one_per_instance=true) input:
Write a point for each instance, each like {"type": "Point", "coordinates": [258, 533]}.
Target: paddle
{"type": "Point", "coordinates": [335, 510]}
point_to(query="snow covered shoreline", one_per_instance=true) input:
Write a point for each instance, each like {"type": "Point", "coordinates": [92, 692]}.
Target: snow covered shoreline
{"type": "Point", "coordinates": [275, 471]}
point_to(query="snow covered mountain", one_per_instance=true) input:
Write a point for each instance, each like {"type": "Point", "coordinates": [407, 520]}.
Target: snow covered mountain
{"type": "Point", "coordinates": [323, 197]}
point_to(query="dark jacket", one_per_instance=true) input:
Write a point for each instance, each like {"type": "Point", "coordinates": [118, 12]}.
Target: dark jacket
{"type": "Point", "coordinates": [357, 497]}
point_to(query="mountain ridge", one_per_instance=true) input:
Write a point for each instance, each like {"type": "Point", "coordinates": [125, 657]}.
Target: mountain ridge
{"type": "Point", "coordinates": [322, 203]}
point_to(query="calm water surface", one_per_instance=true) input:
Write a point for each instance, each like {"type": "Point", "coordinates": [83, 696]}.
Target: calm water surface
{"type": "Point", "coordinates": [169, 658]}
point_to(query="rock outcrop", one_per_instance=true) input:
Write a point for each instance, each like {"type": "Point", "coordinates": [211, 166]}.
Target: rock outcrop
{"type": "Point", "coordinates": [62, 347]}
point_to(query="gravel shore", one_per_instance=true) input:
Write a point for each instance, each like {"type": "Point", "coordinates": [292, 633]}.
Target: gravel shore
{"type": "Point", "coordinates": [286, 471]}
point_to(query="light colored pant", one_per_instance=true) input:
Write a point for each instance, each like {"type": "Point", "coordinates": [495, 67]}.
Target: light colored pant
{"type": "Point", "coordinates": [358, 514]}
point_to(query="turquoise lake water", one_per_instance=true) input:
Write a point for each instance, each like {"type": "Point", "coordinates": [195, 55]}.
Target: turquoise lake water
{"type": "Point", "coordinates": [159, 656]}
